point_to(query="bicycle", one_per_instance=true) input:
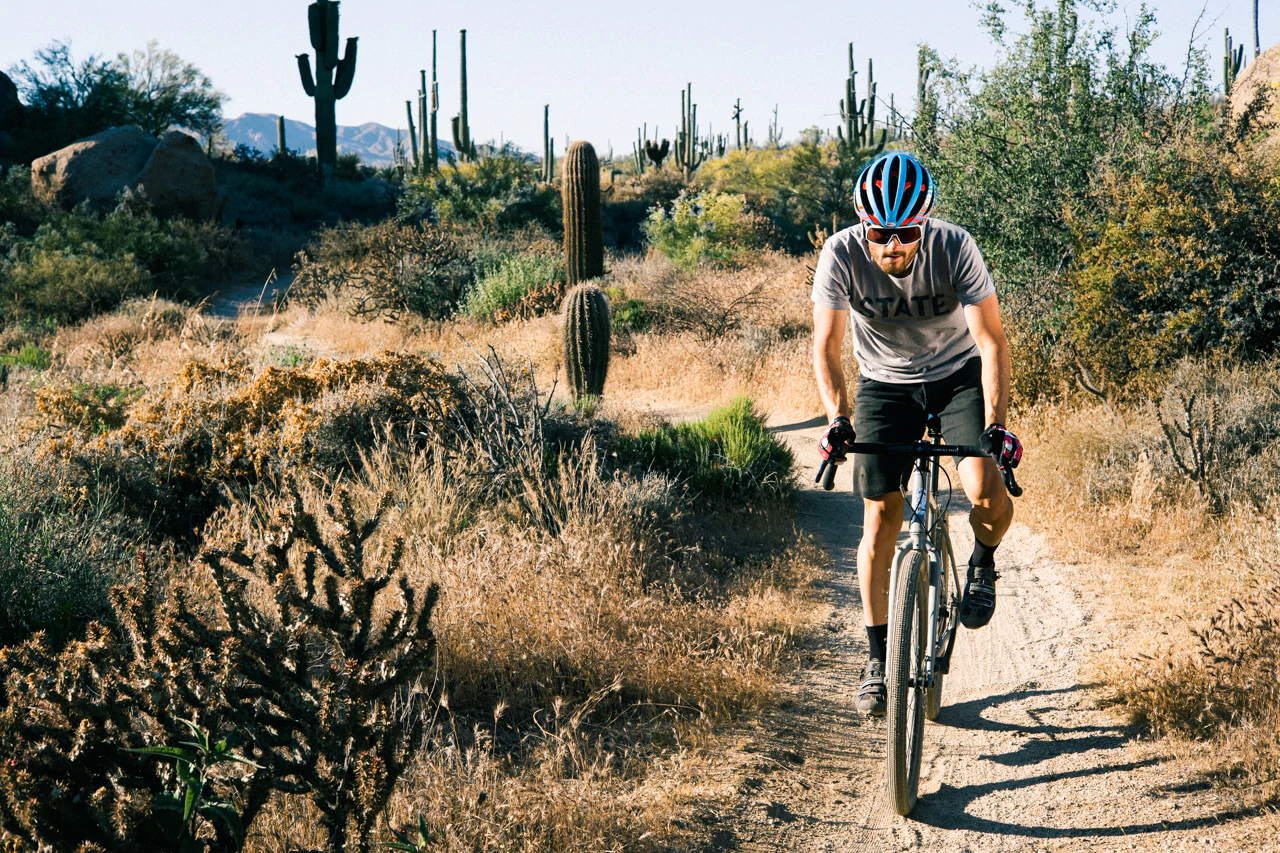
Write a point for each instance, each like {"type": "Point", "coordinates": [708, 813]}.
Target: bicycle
{"type": "Point", "coordinates": [922, 628]}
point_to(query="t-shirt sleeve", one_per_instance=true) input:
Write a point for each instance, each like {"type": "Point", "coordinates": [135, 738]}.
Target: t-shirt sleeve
{"type": "Point", "coordinates": [969, 273]}
{"type": "Point", "coordinates": [831, 280]}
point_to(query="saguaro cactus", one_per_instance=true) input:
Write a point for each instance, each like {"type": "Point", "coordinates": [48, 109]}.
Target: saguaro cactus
{"type": "Point", "coordinates": [657, 153]}
{"type": "Point", "coordinates": [461, 127]}
{"type": "Point", "coordinates": [1231, 62]}
{"type": "Point", "coordinates": [688, 154]}
{"type": "Point", "coordinates": [737, 120]}
{"type": "Point", "coordinates": [583, 231]}
{"type": "Point", "coordinates": [859, 117]}
{"type": "Point", "coordinates": [434, 155]}
{"type": "Point", "coordinates": [282, 145]}
{"type": "Point", "coordinates": [587, 328]}
{"type": "Point", "coordinates": [333, 77]}
{"type": "Point", "coordinates": [548, 147]}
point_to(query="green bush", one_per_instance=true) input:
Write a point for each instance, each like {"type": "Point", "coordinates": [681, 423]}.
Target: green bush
{"type": "Point", "coordinates": [66, 265]}
{"type": "Point", "coordinates": [1176, 255]}
{"type": "Point", "coordinates": [710, 226]}
{"type": "Point", "coordinates": [628, 314]}
{"type": "Point", "coordinates": [508, 280]}
{"type": "Point", "coordinates": [729, 455]}
{"type": "Point", "coordinates": [57, 561]}
{"type": "Point", "coordinates": [502, 191]}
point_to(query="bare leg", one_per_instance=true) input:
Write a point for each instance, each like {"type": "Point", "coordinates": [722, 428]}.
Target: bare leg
{"type": "Point", "coordinates": [881, 524]}
{"type": "Point", "coordinates": [992, 508]}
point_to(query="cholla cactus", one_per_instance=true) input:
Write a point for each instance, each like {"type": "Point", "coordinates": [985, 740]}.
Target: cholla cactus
{"type": "Point", "coordinates": [319, 677]}
{"type": "Point", "coordinates": [324, 696]}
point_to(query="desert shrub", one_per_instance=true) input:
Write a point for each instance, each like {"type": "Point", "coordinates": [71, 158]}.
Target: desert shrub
{"type": "Point", "coordinates": [75, 263]}
{"type": "Point", "coordinates": [226, 426]}
{"type": "Point", "coordinates": [716, 227]}
{"type": "Point", "coordinates": [58, 556]}
{"type": "Point", "coordinates": [801, 187]}
{"type": "Point", "coordinates": [511, 279]}
{"type": "Point", "coordinates": [86, 408]}
{"type": "Point", "coordinates": [1210, 436]}
{"type": "Point", "coordinates": [67, 287]}
{"type": "Point", "coordinates": [383, 270]}
{"type": "Point", "coordinates": [728, 455]}
{"type": "Point", "coordinates": [1177, 255]}
{"type": "Point", "coordinates": [709, 303]}
{"type": "Point", "coordinates": [501, 191]}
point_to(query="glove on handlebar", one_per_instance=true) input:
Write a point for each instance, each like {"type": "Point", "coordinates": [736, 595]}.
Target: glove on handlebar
{"type": "Point", "coordinates": [1003, 446]}
{"type": "Point", "coordinates": [835, 442]}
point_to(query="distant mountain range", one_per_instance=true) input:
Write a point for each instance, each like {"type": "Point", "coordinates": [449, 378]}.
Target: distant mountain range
{"type": "Point", "coordinates": [374, 143]}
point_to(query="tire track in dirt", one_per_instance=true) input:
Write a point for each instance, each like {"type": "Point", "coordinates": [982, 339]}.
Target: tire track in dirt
{"type": "Point", "coordinates": [1020, 759]}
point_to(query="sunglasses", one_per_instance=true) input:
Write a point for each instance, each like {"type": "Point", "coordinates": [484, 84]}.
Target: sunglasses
{"type": "Point", "coordinates": [905, 236]}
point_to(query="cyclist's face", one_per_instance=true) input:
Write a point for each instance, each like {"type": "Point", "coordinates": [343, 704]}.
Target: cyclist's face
{"type": "Point", "coordinates": [893, 258]}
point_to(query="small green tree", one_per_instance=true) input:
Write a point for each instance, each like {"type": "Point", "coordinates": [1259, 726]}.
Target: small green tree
{"type": "Point", "coordinates": [161, 92]}
{"type": "Point", "coordinates": [69, 99]}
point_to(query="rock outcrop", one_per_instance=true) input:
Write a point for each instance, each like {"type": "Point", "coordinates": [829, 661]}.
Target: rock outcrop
{"type": "Point", "coordinates": [95, 169]}
{"type": "Point", "coordinates": [173, 173]}
{"type": "Point", "coordinates": [1263, 71]}
{"type": "Point", "coordinates": [179, 179]}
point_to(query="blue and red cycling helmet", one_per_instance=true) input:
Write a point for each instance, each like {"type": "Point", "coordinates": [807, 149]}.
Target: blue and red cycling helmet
{"type": "Point", "coordinates": [895, 190]}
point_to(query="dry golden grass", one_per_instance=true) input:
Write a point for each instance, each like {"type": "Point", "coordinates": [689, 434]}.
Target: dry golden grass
{"type": "Point", "coordinates": [1189, 595]}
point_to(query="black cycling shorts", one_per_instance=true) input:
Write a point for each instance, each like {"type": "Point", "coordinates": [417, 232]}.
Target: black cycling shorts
{"type": "Point", "coordinates": [891, 413]}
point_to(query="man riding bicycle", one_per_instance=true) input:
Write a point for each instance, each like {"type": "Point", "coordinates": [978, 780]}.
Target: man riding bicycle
{"type": "Point", "coordinates": [928, 340]}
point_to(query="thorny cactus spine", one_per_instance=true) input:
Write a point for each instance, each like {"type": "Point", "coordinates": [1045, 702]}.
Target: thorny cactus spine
{"type": "Point", "coordinates": [587, 329]}
{"type": "Point", "coordinates": [332, 79]}
{"type": "Point", "coordinates": [583, 229]}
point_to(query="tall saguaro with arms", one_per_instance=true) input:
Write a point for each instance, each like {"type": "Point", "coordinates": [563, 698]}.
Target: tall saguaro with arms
{"type": "Point", "coordinates": [332, 79]}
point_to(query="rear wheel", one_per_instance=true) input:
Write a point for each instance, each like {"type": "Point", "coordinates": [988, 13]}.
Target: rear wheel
{"type": "Point", "coordinates": [903, 680]}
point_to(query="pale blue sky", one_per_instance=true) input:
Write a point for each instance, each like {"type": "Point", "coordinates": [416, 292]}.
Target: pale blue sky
{"type": "Point", "coordinates": [604, 68]}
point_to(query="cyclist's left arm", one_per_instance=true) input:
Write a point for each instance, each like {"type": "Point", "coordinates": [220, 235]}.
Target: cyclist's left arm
{"type": "Point", "coordinates": [984, 323]}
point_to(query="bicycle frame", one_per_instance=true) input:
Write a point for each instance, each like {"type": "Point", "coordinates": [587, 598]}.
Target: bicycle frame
{"type": "Point", "coordinates": [928, 533]}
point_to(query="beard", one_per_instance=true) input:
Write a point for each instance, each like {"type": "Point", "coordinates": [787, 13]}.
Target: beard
{"type": "Point", "coordinates": [897, 264]}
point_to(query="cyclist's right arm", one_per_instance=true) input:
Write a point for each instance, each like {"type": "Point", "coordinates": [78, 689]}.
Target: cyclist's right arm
{"type": "Point", "coordinates": [828, 335]}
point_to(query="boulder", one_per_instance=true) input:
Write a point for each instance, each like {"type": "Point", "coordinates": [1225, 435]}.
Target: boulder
{"type": "Point", "coordinates": [179, 179]}
{"type": "Point", "coordinates": [95, 169]}
{"type": "Point", "coordinates": [173, 174]}
{"type": "Point", "coordinates": [1263, 71]}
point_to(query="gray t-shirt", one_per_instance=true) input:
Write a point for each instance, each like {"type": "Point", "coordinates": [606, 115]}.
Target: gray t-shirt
{"type": "Point", "coordinates": [908, 329]}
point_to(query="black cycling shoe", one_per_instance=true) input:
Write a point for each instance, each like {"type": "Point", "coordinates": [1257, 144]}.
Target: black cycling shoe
{"type": "Point", "coordinates": [979, 600]}
{"type": "Point", "coordinates": [871, 694]}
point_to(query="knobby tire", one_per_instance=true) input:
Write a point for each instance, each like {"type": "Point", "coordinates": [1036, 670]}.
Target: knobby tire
{"type": "Point", "coordinates": [906, 704]}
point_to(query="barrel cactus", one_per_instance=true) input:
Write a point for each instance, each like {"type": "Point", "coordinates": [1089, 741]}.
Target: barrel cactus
{"type": "Point", "coordinates": [587, 327]}
{"type": "Point", "coordinates": [583, 231]}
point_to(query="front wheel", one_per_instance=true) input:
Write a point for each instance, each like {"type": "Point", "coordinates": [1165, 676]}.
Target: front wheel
{"type": "Point", "coordinates": [904, 680]}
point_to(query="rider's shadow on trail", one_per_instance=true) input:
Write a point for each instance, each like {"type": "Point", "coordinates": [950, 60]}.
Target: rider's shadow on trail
{"type": "Point", "coordinates": [948, 807]}
{"type": "Point", "coordinates": [1037, 741]}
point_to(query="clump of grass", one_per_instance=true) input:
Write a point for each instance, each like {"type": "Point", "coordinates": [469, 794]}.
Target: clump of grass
{"type": "Point", "coordinates": [58, 559]}
{"type": "Point", "coordinates": [509, 281]}
{"type": "Point", "coordinates": [30, 356]}
{"type": "Point", "coordinates": [728, 455]}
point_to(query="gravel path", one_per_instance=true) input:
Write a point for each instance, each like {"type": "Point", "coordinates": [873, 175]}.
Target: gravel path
{"type": "Point", "coordinates": [1020, 759]}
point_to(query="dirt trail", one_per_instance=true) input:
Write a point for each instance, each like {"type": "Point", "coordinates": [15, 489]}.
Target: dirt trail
{"type": "Point", "coordinates": [1020, 759]}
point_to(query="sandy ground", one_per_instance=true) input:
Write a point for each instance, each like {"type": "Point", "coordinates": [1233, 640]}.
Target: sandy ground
{"type": "Point", "coordinates": [1021, 757]}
